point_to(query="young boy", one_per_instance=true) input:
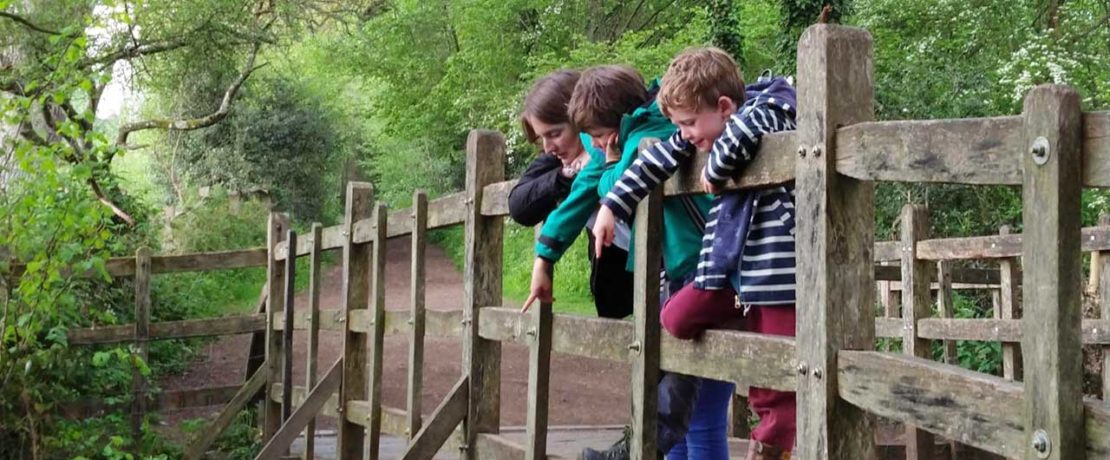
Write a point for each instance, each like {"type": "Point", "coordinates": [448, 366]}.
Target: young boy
{"type": "Point", "coordinates": [747, 255]}
{"type": "Point", "coordinates": [612, 105]}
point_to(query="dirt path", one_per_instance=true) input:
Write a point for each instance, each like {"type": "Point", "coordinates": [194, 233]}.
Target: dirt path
{"type": "Point", "coordinates": [583, 391]}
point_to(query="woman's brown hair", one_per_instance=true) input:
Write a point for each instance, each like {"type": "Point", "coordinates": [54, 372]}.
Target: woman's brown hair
{"type": "Point", "coordinates": [547, 100]}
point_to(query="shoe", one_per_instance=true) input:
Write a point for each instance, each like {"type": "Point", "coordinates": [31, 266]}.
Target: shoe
{"type": "Point", "coordinates": [760, 451]}
{"type": "Point", "coordinates": [618, 451]}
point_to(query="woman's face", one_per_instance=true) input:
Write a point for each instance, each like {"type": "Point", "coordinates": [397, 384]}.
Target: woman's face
{"type": "Point", "coordinates": [558, 139]}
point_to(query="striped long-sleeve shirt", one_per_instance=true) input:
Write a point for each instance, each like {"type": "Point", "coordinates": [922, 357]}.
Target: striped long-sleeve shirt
{"type": "Point", "coordinates": [749, 235]}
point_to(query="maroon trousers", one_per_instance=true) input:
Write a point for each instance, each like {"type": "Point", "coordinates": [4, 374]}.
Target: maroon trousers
{"type": "Point", "coordinates": [691, 311]}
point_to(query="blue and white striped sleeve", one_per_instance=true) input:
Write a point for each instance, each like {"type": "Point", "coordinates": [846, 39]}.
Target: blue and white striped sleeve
{"type": "Point", "coordinates": [652, 167]}
{"type": "Point", "coordinates": [739, 143]}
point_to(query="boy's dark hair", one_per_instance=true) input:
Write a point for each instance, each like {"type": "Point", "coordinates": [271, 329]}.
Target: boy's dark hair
{"type": "Point", "coordinates": [547, 100]}
{"type": "Point", "coordinates": [604, 94]}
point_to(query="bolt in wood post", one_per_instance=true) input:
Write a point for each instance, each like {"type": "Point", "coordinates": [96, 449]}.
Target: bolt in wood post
{"type": "Point", "coordinates": [356, 296]}
{"type": "Point", "coordinates": [142, 338]}
{"type": "Point", "coordinates": [485, 164]}
{"type": "Point", "coordinates": [1052, 284]}
{"type": "Point", "coordinates": [835, 238]}
{"type": "Point", "coordinates": [417, 312]}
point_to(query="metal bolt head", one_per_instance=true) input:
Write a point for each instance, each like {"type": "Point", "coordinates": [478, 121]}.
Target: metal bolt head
{"type": "Point", "coordinates": [530, 332]}
{"type": "Point", "coordinates": [1040, 150]}
{"type": "Point", "coordinates": [635, 346]}
{"type": "Point", "coordinates": [802, 368]}
{"type": "Point", "coordinates": [817, 151]}
{"type": "Point", "coordinates": [817, 374]}
{"type": "Point", "coordinates": [1042, 444]}
{"type": "Point", "coordinates": [802, 152]}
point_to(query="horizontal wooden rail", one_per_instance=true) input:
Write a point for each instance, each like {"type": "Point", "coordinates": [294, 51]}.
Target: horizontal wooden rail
{"type": "Point", "coordinates": [165, 401]}
{"type": "Point", "coordinates": [972, 408]}
{"type": "Point", "coordinates": [393, 419]}
{"type": "Point", "coordinates": [207, 327]}
{"type": "Point", "coordinates": [1095, 331]}
{"type": "Point", "coordinates": [745, 358]}
{"type": "Point", "coordinates": [438, 323]}
{"type": "Point", "coordinates": [203, 261]}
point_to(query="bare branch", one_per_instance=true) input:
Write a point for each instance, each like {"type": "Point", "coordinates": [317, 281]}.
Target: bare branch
{"type": "Point", "coordinates": [135, 50]}
{"type": "Point", "coordinates": [119, 212]}
{"type": "Point", "coordinates": [195, 123]}
{"type": "Point", "coordinates": [28, 24]}
{"type": "Point", "coordinates": [27, 131]}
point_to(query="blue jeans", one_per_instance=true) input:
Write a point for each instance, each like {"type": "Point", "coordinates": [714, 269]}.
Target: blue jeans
{"type": "Point", "coordinates": [707, 436]}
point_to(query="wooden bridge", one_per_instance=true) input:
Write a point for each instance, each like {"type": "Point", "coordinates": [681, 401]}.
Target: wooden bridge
{"type": "Point", "coordinates": [1052, 150]}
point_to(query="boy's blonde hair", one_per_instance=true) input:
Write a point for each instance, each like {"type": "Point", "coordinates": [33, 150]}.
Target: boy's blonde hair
{"type": "Point", "coordinates": [604, 94]}
{"type": "Point", "coordinates": [697, 78]}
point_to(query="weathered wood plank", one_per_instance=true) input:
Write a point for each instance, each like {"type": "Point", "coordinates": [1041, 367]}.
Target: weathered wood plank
{"type": "Point", "coordinates": [377, 330]}
{"type": "Point", "coordinates": [745, 358]}
{"type": "Point", "coordinates": [331, 239]}
{"type": "Point", "coordinates": [316, 400]}
{"type": "Point", "coordinates": [445, 211]}
{"type": "Point", "coordinates": [142, 339]}
{"type": "Point", "coordinates": [446, 417]}
{"type": "Point", "coordinates": [890, 328]}
{"type": "Point", "coordinates": [648, 241]}
{"type": "Point", "coordinates": [1000, 246]}
{"type": "Point", "coordinates": [834, 240]}
{"type": "Point", "coordinates": [887, 251]}
{"type": "Point", "coordinates": [161, 402]}
{"type": "Point", "coordinates": [204, 261]}
{"type": "Point", "coordinates": [1103, 259]}
{"type": "Point", "coordinates": [356, 296]}
{"type": "Point", "coordinates": [773, 165]}
{"type": "Point", "coordinates": [275, 305]}
{"type": "Point", "coordinates": [289, 307]}
{"type": "Point", "coordinates": [946, 307]}
{"type": "Point", "coordinates": [199, 443]}
{"type": "Point", "coordinates": [1010, 308]}
{"type": "Point", "coordinates": [972, 408]}
{"type": "Point", "coordinates": [539, 373]}
{"type": "Point", "coordinates": [495, 447]}
{"type": "Point", "coordinates": [967, 278]}
{"type": "Point", "coordinates": [1052, 284]}
{"type": "Point", "coordinates": [485, 164]}
{"type": "Point", "coordinates": [330, 409]}
{"type": "Point", "coordinates": [207, 327]}
{"type": "Point", "coordinates": [440, 323]}
{"type": "Point", "coordinates": [495, 198]}
{"type": "Point", "coordinates": [417, 315]}
{"type": "Point", "coordinates": [393, 419]}
{"type": "Point", "coordinates": [916, 305]}
{"type": "Point", "coordinates": [1093, 331]}
{"type": "Point", "coordinates": [313, 340]}
{"type": "Point", "coordinates": [964, 151]}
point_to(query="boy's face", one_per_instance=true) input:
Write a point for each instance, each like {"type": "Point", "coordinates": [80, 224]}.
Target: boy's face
{"type": "Point", "coordinates": [558, 139]}
{"type": "Point", "coordinates": [605, 140]}
{"type": "Point", "coordinates": [703, 126]}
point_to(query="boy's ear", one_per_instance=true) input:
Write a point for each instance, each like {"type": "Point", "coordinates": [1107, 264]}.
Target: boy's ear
{"type": "Point", "coordinates": [726, 106]}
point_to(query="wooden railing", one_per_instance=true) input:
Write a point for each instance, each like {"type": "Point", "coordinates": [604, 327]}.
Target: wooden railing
{"type": "Point", "coordinates": [836, 154]}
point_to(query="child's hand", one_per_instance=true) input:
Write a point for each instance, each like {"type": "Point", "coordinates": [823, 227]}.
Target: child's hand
{"type": "Point", "coordinates": [541, 284]}
{"type": "Point", "coordinates": [612, 153]}
{"type": "Point", "coordinates": [709, 187]}
{"type": "Point", "coordinates": [604, 229]}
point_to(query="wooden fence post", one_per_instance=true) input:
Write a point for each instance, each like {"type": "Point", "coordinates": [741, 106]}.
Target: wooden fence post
{"type": "Point", "coordinates": [485, 164]}
{"type": "Point", "coordinates": [1104, 306]}
{"type": "Point", "coordinates": [275, 302]}
{"type": "Point", "coordinates": [648, 228]}
{"type": "Point", "coordinates": [835, 238]}
{"type": "Point", "coordinates": [356, 295]}
{"type": "Point", "coordinates": [945, 307]}
{"type": "Point", "coordinates": [417, 313]}
{"type": "Point", "coordinates": [313, 332]}
{"type": "Point", "coordinates": [290, 292]}
{"type": "Point", "coordinates": [142, 337]}
{"type": "Point", "coordinates": [916, 304]}
{"type": "Point", "coordinates": [1052, 283]}
{"type": "Point", "coordinates": [1010, 309]}
{"type": "Point", "coordinates": [539, 373]}
{"type": "Point", "coordinates": [377, 327]}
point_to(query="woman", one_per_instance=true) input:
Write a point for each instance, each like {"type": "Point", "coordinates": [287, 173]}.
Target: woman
{"type": "Point", "coordinates": [565, 175]}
